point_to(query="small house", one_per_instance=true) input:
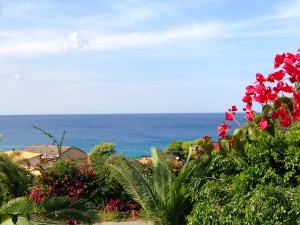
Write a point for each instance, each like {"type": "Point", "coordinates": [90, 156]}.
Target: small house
{"type": "Point", "coordinates": [49, 153]}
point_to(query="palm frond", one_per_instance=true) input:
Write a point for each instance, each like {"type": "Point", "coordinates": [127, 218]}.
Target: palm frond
{"type": "Point", "coordinates": [21, 205]}
{"type": "Point", "coordinates": [139, 188]}
{"type": "Point", "coordinates": [162, 181]}
{"type": "Point", "coordinates": [18, 221]}
{"type": "Point", "coordinates": [61, 208]}
{"type": "Point", "coordinates": [50, 211]}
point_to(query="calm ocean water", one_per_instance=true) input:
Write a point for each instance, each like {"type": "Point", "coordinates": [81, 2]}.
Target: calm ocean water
{"type": "Point", "coordinates": [133, 134]}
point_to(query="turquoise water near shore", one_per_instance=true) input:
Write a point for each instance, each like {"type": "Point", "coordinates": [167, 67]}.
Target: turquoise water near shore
{"type": "Point", "coordinates": [133, 134]}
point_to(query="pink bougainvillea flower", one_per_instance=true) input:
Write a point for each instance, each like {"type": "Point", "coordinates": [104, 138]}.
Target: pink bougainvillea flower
{"type": "Point", "coordinates": [279, 75]}
{"type": "Point", "coordinates": [260, 78]}
{"type": "Point", "coordinates": [289, 60]}
{"type": "Point", "coordinates": [282, 112]}
{"type": "Point", "coordinates": [287, 88]}
{"type": "Point", "coordinates": [247, 98]}
{"type": "Point", "coordinates": [264, 124]}
{"type": "Point", "coordinates": [260, 98]}
{"type": "Point", "coordinates": [217, 147]}
{"type": "Point", "coordinates": [290, 56]}
{"type": "Point", "coordinates": [278, 60]}
{"type": "Point", "coordinates": [272, 95]}
{"type": "Point", "coordinates": [286, 121]}
{"type": "Point", "coordinates": [278, 103]}
{"type": "Point", "coordinates": [274, 115]}
{"type": "Point", "coordinates": [270, 78]}
{"type": "Point", "coordinates": [290, 69]}
{"type": "Point", "coordinates": [260, 89]}
{"type": "Point", "coordinates": [250, 90]}
{"type": "Point", "coordinates": [296, 116]}
{"type": "Point", "coordinates": [249, 116]}
{"type": "Point", "coordinates": [229, 116]}
{"type": "Point", "coordinates": [206, 137]}
{"type": "Point", "coordinates": [249, 106]}
{"type": "Point", "coordinates": [223, 130]}
{"type": "Point", "coordinates": [233, 109]}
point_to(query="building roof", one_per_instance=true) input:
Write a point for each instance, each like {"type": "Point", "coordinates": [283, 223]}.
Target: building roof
{"type": "Point", "coordinates": [50, 151]}
{"type": "Point", "coordinates": [22, 154]}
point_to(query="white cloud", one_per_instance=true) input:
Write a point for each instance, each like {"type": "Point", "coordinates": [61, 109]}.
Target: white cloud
{"type": "Point", "coordinates": [17, 77]}
{"type": "Point", "coordinates": [186, 33]}
{"type": "Point", "coordinates": [289, 9]}
{"type": "Point", "coordinates": [73, 42]}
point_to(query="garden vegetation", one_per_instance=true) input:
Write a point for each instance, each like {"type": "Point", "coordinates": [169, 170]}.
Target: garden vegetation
{"type": "Point", "coordinates": [249, 176]}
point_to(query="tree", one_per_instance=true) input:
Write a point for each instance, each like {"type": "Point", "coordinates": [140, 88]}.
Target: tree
{"type": "Point", "coordinates": [166, 198]}
{"type": "Point", "coordinates": [105, 148]}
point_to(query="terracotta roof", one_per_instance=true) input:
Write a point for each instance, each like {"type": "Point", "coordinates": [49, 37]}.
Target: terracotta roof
{"type": "Point", "coordinates": [145, 160]}
{"type": "Point", "coordinates": [49, 151]}
{"type": "Point", "coordinates": [22, 154]}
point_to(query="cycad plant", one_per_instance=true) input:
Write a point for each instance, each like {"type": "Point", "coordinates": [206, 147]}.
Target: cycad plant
{"type": "Point", "coordinates": [58, 210]}
{"type": "Point", "coordinates": [165, 198]}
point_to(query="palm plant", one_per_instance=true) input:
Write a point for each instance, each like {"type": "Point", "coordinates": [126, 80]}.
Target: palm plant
{"type": "Point", "coordinates": [58, 210]}
{"type": "Point", "coordinates": [165, 198]}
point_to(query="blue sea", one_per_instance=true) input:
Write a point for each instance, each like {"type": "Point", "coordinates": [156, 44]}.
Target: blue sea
{"type": "Point", "coordinates": [133, 134]}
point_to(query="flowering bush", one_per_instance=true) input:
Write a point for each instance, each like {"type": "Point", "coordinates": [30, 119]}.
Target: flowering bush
{"type": "Point", "coordinates": [68, 179]}
{"type": "Point", "coordinates": [116, 205]}
{"type": "Point", "coordinates": [279, 95]}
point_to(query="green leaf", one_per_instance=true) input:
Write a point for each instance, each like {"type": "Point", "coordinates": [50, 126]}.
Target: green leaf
{"type": "Point", "coordinates": [251, 134]}
{"type": "Point", "coordinates": [257, 119]}
{"type": "Point", "coordinates": [265, 110]}
{"type": "Point", "coordinates": [271, 129]}
{"type": "Point", "coordinates": [240, 145]}
{"type": "Point", "coordinates": [208, 148]}
{"type": "Point", "coordinates": [238, 133]}
{"type": "Point", "coordinates": [224, 147]}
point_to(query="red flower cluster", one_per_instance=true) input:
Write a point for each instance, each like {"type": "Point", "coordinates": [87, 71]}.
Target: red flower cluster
{"type": "Point", "coordinates": [37, 195]}
{"type": "Point", "coordinates": [116, 205]}
{"type": "Point", "coordinates": [272, 89]}
{"type": "Point", "coordinates": [275, 91]}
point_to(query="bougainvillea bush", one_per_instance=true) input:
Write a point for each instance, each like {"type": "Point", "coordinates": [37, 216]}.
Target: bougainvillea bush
{"type": "Point", "coordinates": [255, 173]}
{"type": "Point", "coordinates": [69, 179]}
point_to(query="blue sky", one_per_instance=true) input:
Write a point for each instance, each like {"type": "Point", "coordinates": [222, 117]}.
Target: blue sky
{"type": "Point", "coordinates": [138, 56]}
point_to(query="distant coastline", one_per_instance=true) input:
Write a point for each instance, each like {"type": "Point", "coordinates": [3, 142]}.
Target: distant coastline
{"type": "Point", "coordinates": [133, 133]}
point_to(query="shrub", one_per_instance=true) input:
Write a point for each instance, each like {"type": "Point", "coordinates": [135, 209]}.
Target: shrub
{"type": "Point", "coordinates": [67, 178]}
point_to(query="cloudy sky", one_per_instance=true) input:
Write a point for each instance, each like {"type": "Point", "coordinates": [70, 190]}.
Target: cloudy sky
{"type": "Point", "coordinates": [138, 56]}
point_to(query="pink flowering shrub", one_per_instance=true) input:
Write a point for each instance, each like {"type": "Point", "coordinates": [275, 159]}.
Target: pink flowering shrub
{"type": "Point", "coordinates": [69, 179]}
{"type": "Point", "coordinates": [132, 209]}
{"type": "Point", "coordinates": [278, 93]}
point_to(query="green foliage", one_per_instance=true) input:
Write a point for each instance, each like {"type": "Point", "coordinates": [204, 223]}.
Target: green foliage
{"type": "Point", "coordinates": [15, 181]}
{"type": "Point", "coordinates": [110, 188]}
{"type": "Point", "coordinates": [165, 198]}
{"type": "Point", "coordinates": [56, 210]}
{"type": "Point", "coordinates": [175, 148]}
{"type": "Point", "coordinates": [105, 148]}
{"type": "Point", "coordinates": [260, 186]}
